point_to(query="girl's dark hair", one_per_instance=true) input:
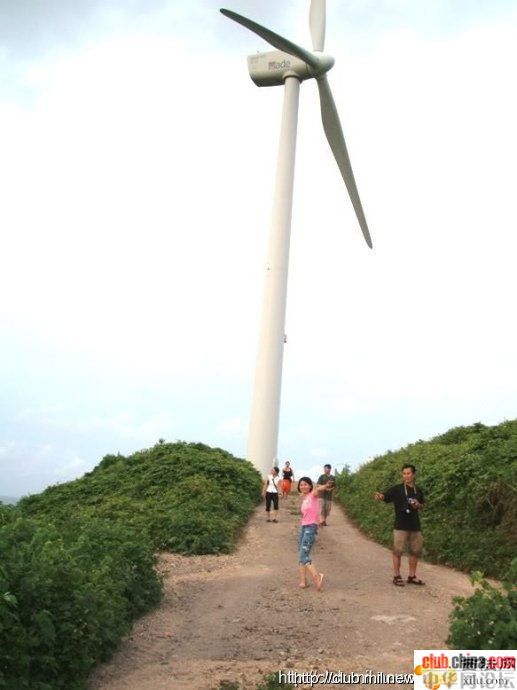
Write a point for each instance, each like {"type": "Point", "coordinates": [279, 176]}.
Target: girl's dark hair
{"type": "Point", "coordinates": [305, 479]}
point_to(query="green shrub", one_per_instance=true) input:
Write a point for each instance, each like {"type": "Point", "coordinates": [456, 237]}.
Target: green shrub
{"type": "Point", "coordinates": [78, 559]}
{"type": "Point", "coordinates": [487, 619]}
{"type": "Point", "coordinates": [186, 497]}
{"type": "Point", "coordinates": [469, 478]}
{"type": "Point", "coordinates": [272, 682]}
{"type": "Point", "coordinates": [67, 596]}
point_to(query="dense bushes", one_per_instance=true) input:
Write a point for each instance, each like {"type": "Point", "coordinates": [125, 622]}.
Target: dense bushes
{"type": "Point", "coordinates": [469, 477]}
{"type": "Point", "coordinates": [187, 497]}
{"type": "Point", "coordinates": [67, 596]}
{"type": "Point", "coordinates": [77, 561]}
{"type": "Point", "coordinates": [488, 619]}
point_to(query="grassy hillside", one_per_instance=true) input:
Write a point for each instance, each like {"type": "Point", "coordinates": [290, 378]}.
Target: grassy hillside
{"type": "Point", "coordinates": [77, 561]}
{"type": "Point", "coordinates": [469, 477]}
{"type": "Point", "coordinates": [187, 497]}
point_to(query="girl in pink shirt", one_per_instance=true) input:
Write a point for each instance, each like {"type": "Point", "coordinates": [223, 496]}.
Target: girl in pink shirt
{"type": "Point", "coordinates": [310, 510]}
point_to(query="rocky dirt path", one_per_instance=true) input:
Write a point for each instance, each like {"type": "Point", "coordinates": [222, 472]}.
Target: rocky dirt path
{"type": "Point", "coordinates": [239, 617]}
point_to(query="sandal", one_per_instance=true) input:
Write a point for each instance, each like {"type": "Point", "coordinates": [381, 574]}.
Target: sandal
{"type": "Point", "coordinates": [398, 581]}
{"type": "Point", "coordinates": [413, 580]}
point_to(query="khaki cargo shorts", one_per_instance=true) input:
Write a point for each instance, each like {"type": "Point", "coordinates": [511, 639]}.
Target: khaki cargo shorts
{"type": "Point", "coordinates": [325, 507]}
{"type": "Point", "coordinates": [414, 541]}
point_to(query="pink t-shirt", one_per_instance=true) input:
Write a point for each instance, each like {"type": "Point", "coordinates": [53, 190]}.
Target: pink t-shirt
{"type": "Point", "coordinates": [310, 510]}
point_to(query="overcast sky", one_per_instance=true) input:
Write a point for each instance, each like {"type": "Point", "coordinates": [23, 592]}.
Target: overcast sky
{"type": "Point", "coordinates": [136, 173]}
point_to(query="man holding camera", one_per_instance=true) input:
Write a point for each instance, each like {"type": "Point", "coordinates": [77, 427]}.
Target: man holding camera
{"type": "Point", "coordinates": [326, 496]}
{"type": "Point", "coordinates": [407, 499]}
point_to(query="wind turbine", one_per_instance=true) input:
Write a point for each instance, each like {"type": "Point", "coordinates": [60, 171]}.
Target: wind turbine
{"type": "Point", "coordinates": [289, 65]}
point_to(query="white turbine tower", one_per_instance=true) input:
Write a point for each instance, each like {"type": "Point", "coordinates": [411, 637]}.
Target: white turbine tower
{"type": "Point", "coordinates": [289, 65]}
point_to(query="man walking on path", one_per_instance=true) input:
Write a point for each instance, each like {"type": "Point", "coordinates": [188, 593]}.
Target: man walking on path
{"type": "Point", "coordinates": [271, 493]}
{"type": "Point", "coordinates": [326, 496]}
{"type": "Point", "coordinates": [407, 500]}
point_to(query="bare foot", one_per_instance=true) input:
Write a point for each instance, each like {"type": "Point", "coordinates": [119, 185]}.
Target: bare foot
{"type": "Point", "coordinates": [302, 585]}
{"type": "Point", "coordinates": [319, 583]}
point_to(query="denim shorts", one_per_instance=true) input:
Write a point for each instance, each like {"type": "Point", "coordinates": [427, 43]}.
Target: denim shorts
{"type": "Point", "coordinates": [306, 540]}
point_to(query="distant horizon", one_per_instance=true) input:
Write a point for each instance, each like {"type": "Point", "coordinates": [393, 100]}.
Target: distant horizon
{"type": "Point", "coordinates": [312, 470]}
{"type": "Point", "coordinates": [9, 500]}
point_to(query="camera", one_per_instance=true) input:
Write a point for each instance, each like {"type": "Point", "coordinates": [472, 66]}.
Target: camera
{"type": "Point", "coordinates": [411, 503]}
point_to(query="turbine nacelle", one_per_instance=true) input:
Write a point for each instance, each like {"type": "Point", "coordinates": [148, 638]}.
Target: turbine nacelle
{"type": "Point", "coordinates": [272, 68]}
{"type": "Point", "coordinates": [290, 59]}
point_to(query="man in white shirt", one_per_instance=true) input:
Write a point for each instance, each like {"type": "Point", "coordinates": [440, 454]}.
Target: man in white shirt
{"type": "Point", "coordinates": [271, 493]}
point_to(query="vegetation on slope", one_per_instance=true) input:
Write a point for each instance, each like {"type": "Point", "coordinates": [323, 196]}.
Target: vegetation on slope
{"type": "Point", "coordinates": [487, 619]}
{"type": "Point", "coordinates": [78, 560]}
{"type": "Point", "coordinates": [187, 497]}
{"type": "Point", "coordinates": [469, 478]}
{"type": "Point", "coordinates": [67, 596]}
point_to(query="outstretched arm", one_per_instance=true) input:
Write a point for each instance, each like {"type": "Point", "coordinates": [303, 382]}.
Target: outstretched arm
{"type": "Point", "coordinates": [387, 496]}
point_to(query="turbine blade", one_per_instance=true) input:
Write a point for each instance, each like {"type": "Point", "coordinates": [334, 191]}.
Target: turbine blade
{"type": "Point", "coordinates": [334, 133]}
{"type": "Point", "coordinates": [274, 39]}
{"type": "Point", "coordinates": [317, 24]}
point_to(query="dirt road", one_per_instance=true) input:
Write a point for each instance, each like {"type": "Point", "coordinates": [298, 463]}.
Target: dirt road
{"type": "Point", "coordinates": [239, 617]}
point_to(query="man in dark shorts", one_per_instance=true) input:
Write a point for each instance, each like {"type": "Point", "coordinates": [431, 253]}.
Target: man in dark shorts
{"type": "Point", "coordinates": [271, 492]}
{"type": "Point", "coordinates": [407, 499]}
